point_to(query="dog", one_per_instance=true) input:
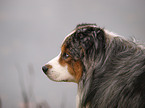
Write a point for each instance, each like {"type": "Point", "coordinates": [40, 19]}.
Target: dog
{"type": "Point", "coordinates": [109, 69]}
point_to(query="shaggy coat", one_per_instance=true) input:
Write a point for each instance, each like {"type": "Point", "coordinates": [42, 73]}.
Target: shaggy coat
{"type": "Point", "coordinates": [111, 69]}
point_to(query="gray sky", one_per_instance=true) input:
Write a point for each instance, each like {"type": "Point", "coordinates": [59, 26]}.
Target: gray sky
{"type": "Point", "coordinates": [31, 33]}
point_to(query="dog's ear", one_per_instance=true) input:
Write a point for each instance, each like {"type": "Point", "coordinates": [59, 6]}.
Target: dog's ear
{"type": "Point", "coordinates": [87, 42]}
{"type": "Point", "coordinates": [99, 38]}
{"type": "Point", "coordinates": [90, 37]}
{"type": "Point", "coordinates": [84, 37]}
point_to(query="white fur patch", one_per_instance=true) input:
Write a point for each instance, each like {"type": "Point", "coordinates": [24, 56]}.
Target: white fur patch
{"type": "Point", "coordinates": [59, 72]}
{"type": "Point", "coordinates": [111, 34]}
{"type": "Point", "coordinates": [78, 99]}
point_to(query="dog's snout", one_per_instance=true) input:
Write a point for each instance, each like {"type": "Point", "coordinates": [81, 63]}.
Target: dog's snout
{"type": "Point", "coordinates": [45, 68]}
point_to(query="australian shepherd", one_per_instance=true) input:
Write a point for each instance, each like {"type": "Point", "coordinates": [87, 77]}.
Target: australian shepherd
{"type": "Point", "coordinates": [109, 69]}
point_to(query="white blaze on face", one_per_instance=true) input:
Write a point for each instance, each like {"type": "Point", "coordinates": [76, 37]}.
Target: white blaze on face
{"type": "Point", "coordinates": [59, 72]}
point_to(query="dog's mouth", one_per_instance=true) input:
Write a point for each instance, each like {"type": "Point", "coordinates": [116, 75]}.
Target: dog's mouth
{"type": "Point", "coordinates": [55, 78]}
{"type": "Point", "coordinates": [64, 80]}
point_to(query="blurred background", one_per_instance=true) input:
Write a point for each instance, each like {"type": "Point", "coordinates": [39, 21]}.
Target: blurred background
{"type": "Point", "coordinates": [31, 33]}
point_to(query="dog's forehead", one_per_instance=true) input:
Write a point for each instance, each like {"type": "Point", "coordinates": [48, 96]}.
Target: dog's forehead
{"type": "Point", "coordinates": [66, 39]}
{"type": "Point", "coordinates": [83, 28]}
{"type": "Point", "coordinates": [69, 35]}
{"type": "Point", "coordinates": [78, 28]}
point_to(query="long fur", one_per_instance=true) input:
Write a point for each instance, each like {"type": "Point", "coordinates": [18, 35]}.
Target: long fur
{"type": "Point", "coordinates": [113, 69]}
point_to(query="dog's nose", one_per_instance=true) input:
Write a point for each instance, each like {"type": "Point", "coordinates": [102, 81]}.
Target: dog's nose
{"type": "Point", "coordinates": [45, 69]}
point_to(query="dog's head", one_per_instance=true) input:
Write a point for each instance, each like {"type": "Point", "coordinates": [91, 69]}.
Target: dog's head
{"type": "Point", "coordinates": [78, 51]}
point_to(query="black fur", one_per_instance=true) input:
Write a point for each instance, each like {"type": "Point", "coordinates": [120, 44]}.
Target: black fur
{"type": "Point", "coordinates": [114, 69]}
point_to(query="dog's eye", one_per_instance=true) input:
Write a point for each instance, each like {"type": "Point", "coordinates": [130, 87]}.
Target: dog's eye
{"type": "Point", "coordinates": [65, 55]}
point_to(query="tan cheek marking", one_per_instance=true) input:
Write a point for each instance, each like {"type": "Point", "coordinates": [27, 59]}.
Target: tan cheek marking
{"type": "Point", "coordinates": [61, 61]}
{"type": "Point", "coordinates": [75, 68]}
